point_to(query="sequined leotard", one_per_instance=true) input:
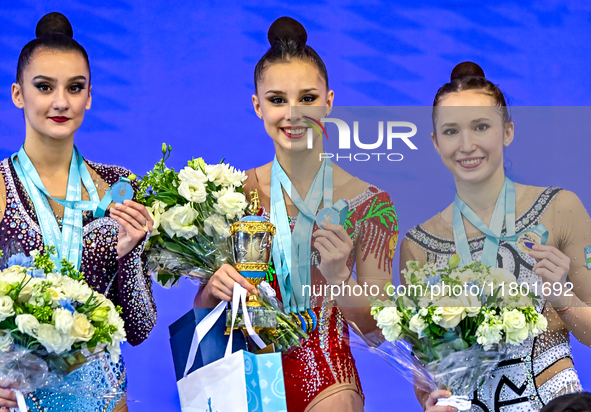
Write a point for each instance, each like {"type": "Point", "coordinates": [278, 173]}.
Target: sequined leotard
{"type": "Point", "coordinates": [323, 365]}
{"type": "Point", "coordinates": [123, 280]}
{"type": "Point", "coordinates": [542, 368]}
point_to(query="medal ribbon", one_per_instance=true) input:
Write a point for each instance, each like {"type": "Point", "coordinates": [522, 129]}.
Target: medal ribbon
{"type": "Point", "coordinates": [294, 274]}
{"type": "Point", "coordinates": [504, 212]}
{"type": "Point", "coordinates": [68, 241]}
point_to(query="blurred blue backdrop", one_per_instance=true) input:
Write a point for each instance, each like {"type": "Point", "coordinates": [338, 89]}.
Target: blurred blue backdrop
{"type": "Point", "coordinates": [182, 73]}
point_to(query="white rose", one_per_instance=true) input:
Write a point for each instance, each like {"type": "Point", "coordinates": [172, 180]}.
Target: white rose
{"type": "Point", "coordinates": [14, 274]}
{"type": "Point", "coordinates": [27, 324]}
{"type": "Point", "coordinates": [82, 329]}
{"type": "Point", "coordinates": [5, 340]}
{"type": "Point", "coordinates": [465, 276]}
{"type": "Point", "coordinates": [230, 203]}
{"type": "Point", "coordinates": [188, 174]}
{"type": "Point", "coordinates": [193, 191]}
{"type": "Point", "coordinates": [539, 326]}
{"type": "Point", "coordinates": [417, 324]}
{"type": "Point", "coordinates": [471, 304]}
{"type": "Point", "coordinates": [392, 333]}
{"type": "Point", "coordinates": [63, 320]}
{"type": "Point", "coordinates": [388, 317]}
{"type": "Point", "coordinates": [6, 307]}
{"type": "Point", "coordinates": [216, 224]}
{"type": "Point", "coordinates": [178, 221]}
{"type": "Point", "coordinates": [500, 275]}
{"type": "Point", "coordinates": [52, 339]}
{"type": "Point", "coordinates": [452, 312]}
{"type": "Point", "coordinates": [515, 326]}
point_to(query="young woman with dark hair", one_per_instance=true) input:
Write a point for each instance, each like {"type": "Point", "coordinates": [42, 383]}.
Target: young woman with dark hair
{"type": "Point", "coordinates": [53, 90]}
{"type": "Point", "coordinates": [321, 374]}
{"type": "Point", "coordinates": [471, 128]}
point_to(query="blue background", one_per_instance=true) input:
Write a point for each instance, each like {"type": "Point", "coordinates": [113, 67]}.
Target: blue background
{"type": "Point", "coordinates": [181, 72]}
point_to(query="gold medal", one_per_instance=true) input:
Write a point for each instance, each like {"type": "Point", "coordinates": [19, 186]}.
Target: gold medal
{"type": "Point", "coordinates": [527, 240]}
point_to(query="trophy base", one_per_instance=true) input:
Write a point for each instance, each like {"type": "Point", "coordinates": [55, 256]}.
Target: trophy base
{"type": "Point", "coordinates": [260, 318]}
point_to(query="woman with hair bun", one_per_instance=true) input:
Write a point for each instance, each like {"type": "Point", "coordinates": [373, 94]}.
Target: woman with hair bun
{"type": "Point", "coordinates": [471, 128]}
{"type": "Point", "coordinates": [321, 374]}
{"type": "Point", "coordinates": [53, 90]}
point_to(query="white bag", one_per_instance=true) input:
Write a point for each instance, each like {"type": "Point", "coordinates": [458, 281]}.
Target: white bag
{"type": "Point", "coordinates": [241, 381]}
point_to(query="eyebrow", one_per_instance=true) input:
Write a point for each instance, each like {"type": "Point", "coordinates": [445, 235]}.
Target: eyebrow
{"type": "Point", "coordinates": [282, 92]}
{"type": "Point", "coordinates": [473, 121]}
{"type": "Point", "coordinates": [51, 79]}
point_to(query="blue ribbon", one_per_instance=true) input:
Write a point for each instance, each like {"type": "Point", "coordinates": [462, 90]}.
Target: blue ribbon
{"type": "Point", "coordinates": [504, 212]}
{"type": "Point", "coordinates": [293, 274]}
{"type": "Point", "coordinates": [68, 241]}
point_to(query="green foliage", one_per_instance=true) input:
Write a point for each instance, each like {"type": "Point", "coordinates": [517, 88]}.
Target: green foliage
{"type": "Point", "coordinates": [68, 269]}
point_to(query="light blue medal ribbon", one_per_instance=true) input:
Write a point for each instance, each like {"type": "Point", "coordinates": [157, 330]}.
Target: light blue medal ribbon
{"type": "Point", "coordinates": [68, 241]}
{"type": "Point", "coordinates": [294, 274]}
{"type": "Point", "coordinates": [504, 212]}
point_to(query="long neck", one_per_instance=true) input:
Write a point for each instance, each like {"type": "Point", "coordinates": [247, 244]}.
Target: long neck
{"type": "Point", "coordinates": [300, 166]}
{"type": "Point", "coordinates": [482, 196]}
{"type": "Point", "coordinates": [51, 157]}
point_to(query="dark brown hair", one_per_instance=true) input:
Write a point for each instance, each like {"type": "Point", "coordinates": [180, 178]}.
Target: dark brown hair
{"type": "Point", "coordinates": [470, 76]}
{"type": "Point", "coordinates": [288, 41]}
{"type": "Point", "coordinates": [53, 32]}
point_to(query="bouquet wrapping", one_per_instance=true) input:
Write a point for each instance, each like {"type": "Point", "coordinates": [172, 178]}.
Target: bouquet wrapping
{"type": "Point", "coordinates": [449, 328]}
{"type": "Point", "coordinates": [51, 323]}
{"type": "Point", "coordinates": [193, 211]}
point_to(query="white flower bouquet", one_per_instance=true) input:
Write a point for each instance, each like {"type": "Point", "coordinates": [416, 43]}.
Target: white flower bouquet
{"type": "Point", "coordinates": [455, 322]}
{"type": "Point", "coordinates": [51, 322]}
{"type": "Point", "coordinates": [192, 211]}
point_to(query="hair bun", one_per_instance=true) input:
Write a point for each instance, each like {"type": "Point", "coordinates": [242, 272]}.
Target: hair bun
{"type": "Point", "coordinates": [286, 28]}
{"type": "Point", "coordinates": [466, 69]}
{"type": "Point", "coordinates": [54, 23]}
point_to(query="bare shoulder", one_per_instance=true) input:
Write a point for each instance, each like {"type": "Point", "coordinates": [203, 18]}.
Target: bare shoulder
{"type": "Point", "coordinates": [534, 191]}
{"type": "Point", "coordinates": [347, 185]}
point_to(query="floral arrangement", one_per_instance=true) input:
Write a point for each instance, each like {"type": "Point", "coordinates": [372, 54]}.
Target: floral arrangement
{"type": "Point", "coordinates": [457, 321]}
{"type": "Point", "coordinates": [192, 211]}
{"type": "Point", "coordinates": [51, 322]}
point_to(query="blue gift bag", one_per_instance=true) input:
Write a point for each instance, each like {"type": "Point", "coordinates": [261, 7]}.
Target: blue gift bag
{"type": "Point", "coordinates": [265, 389]}
{"type": "Point", "coordinates": [211, 347]}
{"type": "Point", "coordinates": [238, 382]}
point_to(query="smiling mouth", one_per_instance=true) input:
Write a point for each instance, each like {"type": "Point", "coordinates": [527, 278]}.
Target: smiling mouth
{"type": "Point", "coordinates": [471, 163]}
{"type": "Point", "coordinates": [294, 132]}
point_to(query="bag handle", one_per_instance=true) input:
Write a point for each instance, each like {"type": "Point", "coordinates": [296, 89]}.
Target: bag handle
{"type": "Point", "coordinates": [201, 330]}
{"type": "Point", "coordinates": [239, 295]}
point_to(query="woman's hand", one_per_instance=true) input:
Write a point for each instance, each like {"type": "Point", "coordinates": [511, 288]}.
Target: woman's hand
{"type": "Point", "coordinates": [334, 245]}
{"type": "Point", "coordinates": [553, 266]}
{"type": "Point", "coordinates": [221, 285]}
{"type": "Point", "coordinates": [134, 222]}
{"type": "Point", "coordinates": [7, 397]}
{"type": "Point", "coordinates": [430, 403]}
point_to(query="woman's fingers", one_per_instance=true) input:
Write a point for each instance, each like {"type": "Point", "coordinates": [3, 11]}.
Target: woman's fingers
{"type": "Point", "coordinates": [132, 216]}
{"type": "Point", "coordinates": [338, 230]}
{"type": "Point", "coordinates": [142, 211]}
{"type": "Point", "coordinates": [436, 395]}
